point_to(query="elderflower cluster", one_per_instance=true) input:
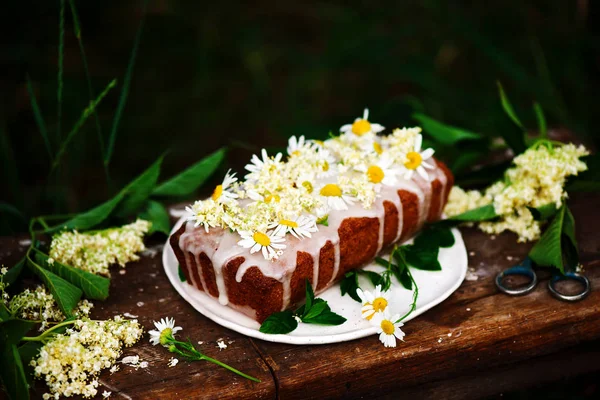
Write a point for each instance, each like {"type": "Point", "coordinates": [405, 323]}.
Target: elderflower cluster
{"type": "Point", "coordinates": [537, 179]}
{"type": "Point", "coordinates": [3, 285]}
{"type": "Point", "coordinates": [70, 363]}
{"type": "Point", "coordinates": [290, 196]}
{"type": "Point", "coordinates": [95, 252]}
{"type": "Point", "coordinates": [40, 305]}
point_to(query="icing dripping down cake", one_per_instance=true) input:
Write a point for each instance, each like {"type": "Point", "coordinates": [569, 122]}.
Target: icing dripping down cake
{"type": "Point", "coordinates": [331, 207]}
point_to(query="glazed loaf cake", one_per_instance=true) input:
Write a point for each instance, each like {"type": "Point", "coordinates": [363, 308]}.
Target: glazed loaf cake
{"type": "Point", "coordinates": [213, 263]}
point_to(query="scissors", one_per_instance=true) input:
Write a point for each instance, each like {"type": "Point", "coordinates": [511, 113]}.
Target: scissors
{"type": "Point", "coordinates": [526, 269]}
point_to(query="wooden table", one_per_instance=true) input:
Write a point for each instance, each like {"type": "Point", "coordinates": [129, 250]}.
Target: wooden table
{"type": "Point", "coordinates": [477, 343]}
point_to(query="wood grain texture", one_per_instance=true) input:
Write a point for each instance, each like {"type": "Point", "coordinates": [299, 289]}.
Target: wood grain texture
{"type": "Point", "coordinates": [496, 343]}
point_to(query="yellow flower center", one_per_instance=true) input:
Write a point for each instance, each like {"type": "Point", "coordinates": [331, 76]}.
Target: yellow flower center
{"type": "Point", "coordinates": [379, 304]}
{"type": "Point", "coordinates": [377, 148]}
{"type": "Point", "coordinates": [325, 166]}
{"type": "Point", "coordinates": [261, 239]}
{"type": "Point", "coordinates": [319, 142]}
{"type": "Point", "coordinates": [287, 222]}
{"type": "Point", "coordinates": [272, 197]}
{"type": "Point", "coordinates": [308, 186]}
{"type": "Point", "coordinates": [331, 190]}
{"type": "Point", "coordinates": [387, 327]}
{"type": "Point", "coordinates": [375, 174]}
{"type": "Point", "coordinates": [217, 193]}
{"type": "Point", "coordinates": [296, 153]}
{"type": "Point", "coordinates": [361, 127]}
{"type": "Point", "coordinates": [414, 160]}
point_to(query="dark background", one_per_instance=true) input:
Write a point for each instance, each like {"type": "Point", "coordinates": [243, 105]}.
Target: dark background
{"type": "Point", "coordinates": [248, 75]}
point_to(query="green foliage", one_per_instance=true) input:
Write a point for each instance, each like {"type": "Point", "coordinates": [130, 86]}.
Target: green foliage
{"type": "Point", "coordinates": [483, 213]}
{"type": "Point", "coordinates": [444, 134]}
{"type": "Point", "coordinates": [137, 192]}
{"type": "Point", "coordinates": [192, 178]}
{"type": "Point", "coordinates": [557, 247]}
{"type": "Point", "coordinates": [180, 273]}
{"type": "Point", "coordinates": [158, 215]}
{"type": "Point", "coordinates": [39, 119]}
{"type": "Point", "coordinates": [541, 119]}
{"type": "Point", "coordinates": [279, 323]}
{"type": "Point", "coordinates": [587, 181]}
{"type": "Point", "coordinates": [93, 286]}
{"type": "Point", "coordinates": [515, 138]}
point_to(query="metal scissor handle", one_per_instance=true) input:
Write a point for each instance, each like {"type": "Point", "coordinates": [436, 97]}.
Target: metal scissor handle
{"type": "Point", "coordinates": [569, 276]}
{"type": "Point", "coordinates": [524, 269]}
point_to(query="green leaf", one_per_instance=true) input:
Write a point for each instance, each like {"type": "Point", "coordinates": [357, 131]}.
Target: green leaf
{"type": "Point", "coordinates": [435, 236]}
{"type": "Point", "coordinates": [483, 176]}
{"type": "Point", "coordinates": [382, 261]}
{"type": "Point", "coordinates": [349, 285]}
{"type": "Point", "coordinates": [557, 242]}
{"type": "Point", "coordinates": [138, 191]}
{"type": "Point", "coordinates": [93, 286]}
{"type": "Point", "coordinates": [192, 178]}
{"type": "Point", "coordinates": [315, 310]}
{"type": "Point", "coordinates": [182, 277]}
{"type": "Point", "coordinates": [445, 134]}
{"type": "Point", "coordinates": [482, 213]}
{"type": "Point", "coordinates": [401, 269]}
{"type": "Point", "coordinates": [405, 279]}
{"type": "Point", "coordinates": [422, 257]}
{"type": "Point", "coordinates": [279, 323]}
{"type": "Point", "coordinates": [136, 188]}
{"type": "Point", "coordinates": [158, 215]}
{"type": "Point", "coordinates": [541, 119]}
{"type": "Point", "coordinates": [310, 295]}
{"type": "Point", "coordinates": [65, 294]}
{"type": "Point", "coordinates": [14, 329]}
{"type": "Point", "coordinates": [39, 119]}
{"type": "Point", "coordinates": [12, 373]}
{"type": "Point", "coordinates": [4, 313]}
{"type": "Point", "coordinates": [28, 352]}
{"type": "Point", "coordinates": [515, 139]}
{"type": "Point", "coordinates": [327, 317]}
{"type": "Point", "coordinates": [374, 277]}
{"type": "Point", "coordinates": [543, 213]}
{"type": "Point", "coordinates": [125, 91]}
{"type": "Point", "coordinates": [13, 273]}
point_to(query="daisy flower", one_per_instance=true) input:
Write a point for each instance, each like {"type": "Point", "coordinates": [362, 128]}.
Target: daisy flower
{"type": "Point", "coordinates": [381, 172]}
{"type": "Point", "coordinates": [333, 196]}
{"type": "Point", "coordinates": [256, 164]}
{"type": "Point", "coordinates": [221, 193]}
{"type": "Point", "coordinates": [362, 126]}
{"type": "Point", "coordinates": [388, 328]}
{"type": "Point", "coordinates": [270, 244]}
{"type": "Point", "coordinates": [299, 227]}
{"type": "Point", "coordinates": [165, 329]}
{"type": "Point", "coordinates": [373, 302]}
{"type": "Point", "coordinates": [326, 164]}
{"type": "Point", "coordinates": [296, 145]}
{"type": "Point", "coordinates": [415, 160]}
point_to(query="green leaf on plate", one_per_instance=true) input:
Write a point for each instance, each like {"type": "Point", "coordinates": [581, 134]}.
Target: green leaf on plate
{"type": "Point", "coordinates": [279, 323]}
{"type": "Point", "coordinates": [316, 309]}
{"type": "Point", "coordinates": [310, 295]}
{"type": "Point", "coordinates": [192, 178]}
{"type": "Point", "coordinates": [443, 133]}
{"type": "Point", "coordinates": [374, 277]}
{"type": "Point", "coordinates": [327, 317]}
{"type": "Point", "coordinates": [94, 287]}
{"type": "Point", "coordinates": [65, 294]}
{"type": "Point", "coordinates": [158, 215]}
{"type": "Point", "coordinates": [182, 277]}
{"type": "Point", "coordinates": [435, 236]}
{"type": "Point", "coordinates": [349, 285]}
{"type": "Point", "coordinates": [424, 258]}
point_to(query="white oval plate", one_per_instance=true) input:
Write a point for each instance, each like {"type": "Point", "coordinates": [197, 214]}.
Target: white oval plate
{"type": "Point", "coordinates": [434, 287]}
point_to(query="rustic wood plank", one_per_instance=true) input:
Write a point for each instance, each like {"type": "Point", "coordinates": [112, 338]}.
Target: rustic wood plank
{"type": "Point", "coordinates": [488, 330]}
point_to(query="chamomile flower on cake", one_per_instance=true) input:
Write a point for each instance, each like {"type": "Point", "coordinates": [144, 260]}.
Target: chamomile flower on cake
{"type": "Point", "coordinates": [325, 165]}
{"type": "Point", "coordinates": [373, 302]}
{"type": "Point", "coordinates": [299, 227]}
{"type": "Point", "coordinates": [269, 244]}
{"type": "Point", "coordinates": [222, 193]}
{"type": "Point", "coordinates": [416, 160]}
{"type": "Point", "coordinates": [296, 145]}
{"type": "Point", "coordinates": [387, 328]}
{"type": "Point", "coordinates": [332, 196]}
{"type": "Point", "coordinates": [257, 165]}
{"type": "Point", "coordinates": [381, 172]}
{"type": "Point", "coordinates": [362, 126]}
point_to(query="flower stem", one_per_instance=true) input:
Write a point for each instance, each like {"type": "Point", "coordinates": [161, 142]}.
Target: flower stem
{"type": "Point", "coordinates": [212, 360]}
{"type": "Point", "coordinates": [42, 337]}
{"type": "Point", "coordinates": [413, 306]}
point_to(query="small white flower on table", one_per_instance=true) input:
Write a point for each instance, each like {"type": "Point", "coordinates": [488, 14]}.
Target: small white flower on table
{"type": "Point", "coordinates": [165, 329]}
{"type": "Point", "coordinates": [106, 394]}
{"type": "Point", "coordinates": [221, 344]}
{"type": "Point", "coordinates": [173, 362]}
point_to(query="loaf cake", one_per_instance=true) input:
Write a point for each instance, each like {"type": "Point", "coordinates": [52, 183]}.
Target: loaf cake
{"type": "Point", "coordinates": [329, 207]}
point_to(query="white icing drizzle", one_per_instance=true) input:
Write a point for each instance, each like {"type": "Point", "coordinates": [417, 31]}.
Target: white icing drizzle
{"type": "Point", "coordinates": [221, 245]}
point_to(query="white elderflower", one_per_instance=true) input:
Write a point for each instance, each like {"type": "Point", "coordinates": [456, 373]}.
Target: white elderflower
{"type": "Point", "coordinates": [106, 394]}
{"type": "Point", "coordinates": [373, 302]}
{"type": "Point", "coordinates": [165, 329]}
{"type": "Point", "coordinates": [257, 165]}
{"type": "Point", "coordinates": [95, 252]}
{"type": "Point", "coordinates": [270, 244]}
{"type": "Point", "coordinates": [207, 213]}
{"type": "Point", "coordinates": [71, 362]}
{"type": "Point", "coordinates": [325, 165]}
{"type": "Point", "coordinates": [334, 198]}
{"type": "Point", "coordinates": [221, 194]}
{"type": "Point", "coordinates": [299, 227]}
{"type": "Point", "coordinates": [415, 160]}
{"type": "Point", "coordinates": [173, 362]}
{"type": "Point", "coordinates": [387, 328]}
{"type": "Point", "coordinates": [362, 126]}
